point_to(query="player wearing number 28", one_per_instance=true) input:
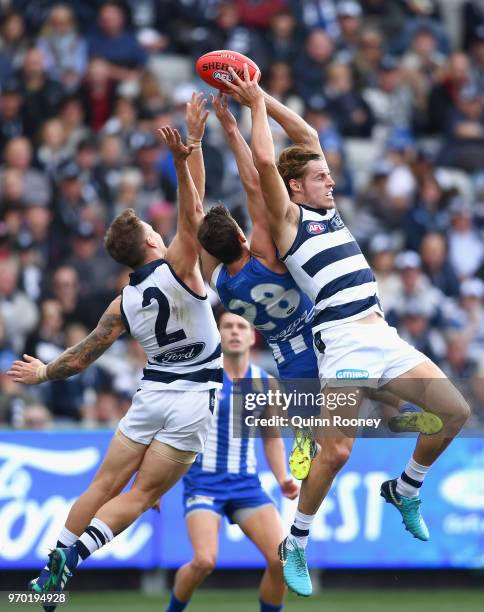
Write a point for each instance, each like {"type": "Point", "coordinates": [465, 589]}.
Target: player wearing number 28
{"type": "Point", "coordinates": [165, 308]}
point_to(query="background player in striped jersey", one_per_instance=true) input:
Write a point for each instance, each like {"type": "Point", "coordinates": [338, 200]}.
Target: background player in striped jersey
{"type": "Point", "coordinates": [351, 334]}
{"type": "Point", "coordinates": [249, 278]}
{"type": "Point", "coordinates": [165, 307]}
{"type": "Point", "coordinates": [223, 481]}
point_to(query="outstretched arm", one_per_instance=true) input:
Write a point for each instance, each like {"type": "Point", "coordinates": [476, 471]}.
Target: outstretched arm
{"type": "Point", "coordinates": [196, 118]}
{"type": "Point", "coordinates": [184, 249]}
{"type": "Point", "coordinates": [298, 130]}
{"type": "Point", "coordinates": [77, 358]}
{"type": "Point", "coordinates": [275, 194]}
{"type": "Point", "coordinates": [261, 240]}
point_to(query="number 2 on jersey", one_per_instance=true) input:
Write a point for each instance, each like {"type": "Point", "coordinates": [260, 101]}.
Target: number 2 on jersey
{"type": "Point", "coordinates": [150, 294]}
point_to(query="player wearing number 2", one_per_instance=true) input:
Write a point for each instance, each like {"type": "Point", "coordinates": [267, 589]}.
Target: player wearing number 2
{"type": "Point", "coordinates": [165, 307]}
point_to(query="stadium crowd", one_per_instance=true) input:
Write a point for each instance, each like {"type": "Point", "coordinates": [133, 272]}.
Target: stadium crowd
{"type": "Point", "coordinates": [398, 104]}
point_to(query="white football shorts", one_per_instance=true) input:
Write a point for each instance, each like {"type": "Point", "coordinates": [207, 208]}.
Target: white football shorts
{"type": "Point", "coordinates": [358, 351]}
{"type": "Point", "coordinates": [181, 419]}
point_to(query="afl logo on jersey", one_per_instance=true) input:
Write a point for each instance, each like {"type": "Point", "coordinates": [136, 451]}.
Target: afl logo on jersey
{"type": "Point", "coordinates": [181, 354]}
{"type": "Point", "coordinates": [315, 227]}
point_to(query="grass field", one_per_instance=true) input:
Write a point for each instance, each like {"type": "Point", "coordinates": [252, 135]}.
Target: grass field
{"type": "Point", "coordinates": [246, 601]}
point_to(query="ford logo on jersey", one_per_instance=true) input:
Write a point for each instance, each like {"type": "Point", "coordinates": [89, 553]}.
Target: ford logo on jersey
{"type": "Point", "coordinates": [315, 227]}
{"type": "Point", "coordinates": [181, 353]}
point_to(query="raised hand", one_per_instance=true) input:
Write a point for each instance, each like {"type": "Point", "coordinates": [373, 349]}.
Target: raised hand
{"type": "Point", "coordinates": [222, 112]}
{"type": "Point", "coordinates": [31, 371]}
{"type": "Point", "coordinates": [173, 141]}
{"type": "Point", "coordinates": [196, 116]}
{"type": "Point", "coordinates": [245, 91]}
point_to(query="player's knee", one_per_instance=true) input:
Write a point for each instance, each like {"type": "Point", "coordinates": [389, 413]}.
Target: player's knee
{"type": "Point", "coordinates": [105, 486]}
{"type": "Point", "coordinates": [337, 455]}
{"type": "Point", "coordinates": [204, 563]}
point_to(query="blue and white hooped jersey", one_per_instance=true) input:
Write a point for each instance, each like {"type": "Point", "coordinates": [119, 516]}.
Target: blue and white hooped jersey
{"type": "Point", "coordinates": [176, 329]}
{"type": "Point", "coordinates": [273, 304]}
{"type": "Point", "coordinates": [225, 454]}
{"type": "Point", "coordinates": [327, 263]}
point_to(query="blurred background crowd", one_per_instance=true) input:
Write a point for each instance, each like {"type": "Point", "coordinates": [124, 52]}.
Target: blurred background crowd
{"type": "Point", "coordinates": [395, 89]}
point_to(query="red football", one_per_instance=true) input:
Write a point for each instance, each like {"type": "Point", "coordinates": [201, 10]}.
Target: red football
{"type": "Point", "coordinates": [213, 67]}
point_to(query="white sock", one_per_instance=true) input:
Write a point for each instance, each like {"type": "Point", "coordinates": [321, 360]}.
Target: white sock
{"type": "Point", "coordinates": [411, 479]}
{"type": "Point", "coordinates": [300, 529]}
{"type": "Point", "coordinates": [66, 538]}
{"type": "Point", "coordinates": [95, 537]}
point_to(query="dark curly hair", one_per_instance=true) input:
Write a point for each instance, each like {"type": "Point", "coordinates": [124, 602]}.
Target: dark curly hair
{"type": "Point", "coordinates": [219, 235]}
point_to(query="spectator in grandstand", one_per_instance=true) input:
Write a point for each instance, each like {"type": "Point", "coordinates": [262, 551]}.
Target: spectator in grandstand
{"type": "Point", "coordinates": [114, 42]}
{"type": "Point", "coordinates": [31, 265]}
{"type": "Point", "coordinates": [349, 19]}
{"type": "Point", "coordinates": [14, 398]}
{"type": "Point", "coordinates": [455, 74]}
{"type": "Point", "coordinates": [162, 216]}
{"type": "Point", "coordinates": [477, 56]}
{"type": "Point", "coordinates": [18, 156]}
{"type": "Point", "coordinates": [382, 260]}
{"type": "Point", "coordinates": [457, 364]}
{"type": "Point", "coordinates": [66, 290]}
{"type": "Point", "coordinates": [11, 116]}
{"type": "Point", "coordinates": [36, 417]}
{"type": "Point", "coordinates": [427, 213]}
{"type": "Point", "coordinates": [367, 58]}
{"type": "Point", "coordinates": [348, 109]}
{"type": "Point", "coordinates": [12, 191]}
{"type": "Point", "coordinates": [423, 61]}
{"type": "Point", "coordinates": [37, 224]}
{"type": "Point", "coordinates": [13, 45]}
{"type": "Point", "coordinates": [311, 65]}
{"type": "Point", "coordinates": [467, 315]}
{"type": "Point", "coordinates": [72, 116]}
{"type": "Point", "coordinates": [18, 312]}
{"type": "Point", "coordinates": [97, 93]}
{"type": "Point", "coordinates": [87, 257]}
{"type": "Point", "coordinates": [46, 341]}
{"type": "Point", "coordinates": [391, 99]}
{"type": "Point", "coordinates": [415, 287]}
{"type": "Point", "coordinates": [283, 37]}
{"type": "Point", "coordinates": [107, 172]}
{"type": "Point", "coordinates": [314, 14]}
{"type": "Point", "coordinates": [71, 204]}
{"type": "Point", "coordinates": [42, 95]}
{"type": "Point", "coordinates": [386, 16]}
{"type": "Point", "coordinates": [123, 122]}
{"type": "Point", "coordinates": [414, 327]}
{"type": "Point", "coordinates": [53, 150]}
{"type": "Point", "coordinates": [433, 251]}
{"type": "Point", "coordinates": [466, 251]}
{"type": "Point", "coordinates": [64, 50]}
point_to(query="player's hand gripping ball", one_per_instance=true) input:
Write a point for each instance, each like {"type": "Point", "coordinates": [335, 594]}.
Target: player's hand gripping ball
{"type": "Point", "coordinates": [213, 68]}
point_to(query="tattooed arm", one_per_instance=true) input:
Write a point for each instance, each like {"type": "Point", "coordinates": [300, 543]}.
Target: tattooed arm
{"type": "Point", "coordinates": [32, 371]}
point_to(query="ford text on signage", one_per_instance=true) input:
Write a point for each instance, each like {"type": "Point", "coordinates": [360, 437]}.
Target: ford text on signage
{"type": "Point", "coordinates": [41, 474]}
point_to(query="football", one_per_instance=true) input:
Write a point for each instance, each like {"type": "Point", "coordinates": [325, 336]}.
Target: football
{"type": "Point", "coordinates": [213, 67]}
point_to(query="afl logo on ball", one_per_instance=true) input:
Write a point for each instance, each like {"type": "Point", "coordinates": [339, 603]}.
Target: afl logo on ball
{"type": "Point", "coordinates": [315, 227]}
{"type": "Point", "coordinates": [221, 75]}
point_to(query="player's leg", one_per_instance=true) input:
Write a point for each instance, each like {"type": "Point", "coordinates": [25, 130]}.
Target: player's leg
{"type": "Point", "coordinates": [119, 465]}
{"type": "Point", "coordinates": [122, 460]}
{"type": "Point", "coordinates": [203, 526]}
{"type": "Point", "coordinates": [161, 468]}
{"type": "Point", "coordinates": [263, 526]}
{"type": "Point", "coordinates": [428, 387]}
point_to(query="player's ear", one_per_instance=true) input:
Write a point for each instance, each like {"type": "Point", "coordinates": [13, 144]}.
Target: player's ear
{"type": "Point", "coordinates": [295, 185]}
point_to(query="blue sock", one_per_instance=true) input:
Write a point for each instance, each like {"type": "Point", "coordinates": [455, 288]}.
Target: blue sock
{"type": "Point", "coordinates": [176, 605]}
{"type": "Point", "coordinates": [265, 607]}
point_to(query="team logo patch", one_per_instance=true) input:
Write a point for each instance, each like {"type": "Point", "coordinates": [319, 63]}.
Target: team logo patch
{"type": "Point", "coordinates": [352, 374]}
{"type": "Point", "coordinates": [222, 75]}
{"type": "Point", "coordinates": [315, 227]}
{"type": "Point", "coordinates": [181, 354]}
{"type": "Point", "coordinates": [337, 222]}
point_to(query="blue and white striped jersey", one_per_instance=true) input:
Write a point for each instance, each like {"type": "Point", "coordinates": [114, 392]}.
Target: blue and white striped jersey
{"type": "Point", "coordinates": [327, 264]}
{"type": "Point", "coordinates": [176, 329]}
{"type": "Point", "coordinates": [224, 453]}
{"type": "Point", "coordinates": [274, 305]}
